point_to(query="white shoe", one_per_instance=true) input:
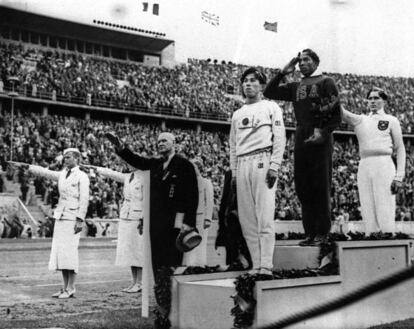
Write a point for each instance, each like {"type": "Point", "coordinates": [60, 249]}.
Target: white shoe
{"type": "Point", "coordinates": [254, 271]}
{"type": "Point", "coordinates": [135, 288]}
{"type": "Point", "coordinates": [67, 294]}
{"type": "Point", "coordinates": [265, 271]}
{"type": "Point", "coordinates": [56, 295]}
{"type": "Point", "coordinates": [127, 288]}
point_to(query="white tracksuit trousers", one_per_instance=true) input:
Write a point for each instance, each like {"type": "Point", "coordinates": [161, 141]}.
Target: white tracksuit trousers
{"type": "Point", "coordinates": [375, 175]}
{"type": "Point", "coordinates": [256, 207]}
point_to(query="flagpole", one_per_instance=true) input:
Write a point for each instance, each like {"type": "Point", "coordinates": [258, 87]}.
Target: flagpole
{"type": "Point", "coordinates": [147, 275]}
{"type": "Point", "coordinates": [12, 94]}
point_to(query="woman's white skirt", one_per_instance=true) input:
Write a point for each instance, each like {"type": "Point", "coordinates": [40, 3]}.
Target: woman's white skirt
{"type": "Point", "coordinates": [129, 245]}
{"type": "Point", "coordinates": [64, 254]}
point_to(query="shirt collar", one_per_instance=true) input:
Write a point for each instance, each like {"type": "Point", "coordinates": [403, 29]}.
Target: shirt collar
{"type": "Point", "coordinates": [315, 73]}
{"type": "Point", "coordinates": [380, 112]}
{"type": "Point", "coordinates": [167, 162]}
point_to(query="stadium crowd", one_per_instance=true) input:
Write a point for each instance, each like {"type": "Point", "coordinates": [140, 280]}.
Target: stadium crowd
{"type": "Point", "coordinates": [200, 88]}
{"type": "Point", "coordinates": [40, 140]}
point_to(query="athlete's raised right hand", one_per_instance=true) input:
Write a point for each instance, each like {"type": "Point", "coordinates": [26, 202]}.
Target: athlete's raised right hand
{"type": "Point", "coordinates": [114, 139]}
{"type": "Point", "coordinates": [290, 67]}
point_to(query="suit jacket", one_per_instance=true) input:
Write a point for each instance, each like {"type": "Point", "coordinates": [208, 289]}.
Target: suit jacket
{"type": "Point", "coordinates": [73, 191]}
{"type": "Point", "coordinates": [173, 189]}
{"type": "Point", "coordinates": [133, 192]}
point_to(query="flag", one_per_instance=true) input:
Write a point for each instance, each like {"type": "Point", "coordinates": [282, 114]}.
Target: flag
{"type": "Point", "coordinates": [270, 26]}
{"type": "Point", "coordinates": [210, 18]}
{"type": "Point", "coordinates": [155, 8]}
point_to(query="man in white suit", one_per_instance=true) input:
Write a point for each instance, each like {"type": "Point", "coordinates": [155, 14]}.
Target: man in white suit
{"type": "Point", "coordinates": [69, 215]}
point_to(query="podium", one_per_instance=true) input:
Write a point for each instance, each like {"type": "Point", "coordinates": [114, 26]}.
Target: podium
{"type": "Point", "coordinates": [203, 301]}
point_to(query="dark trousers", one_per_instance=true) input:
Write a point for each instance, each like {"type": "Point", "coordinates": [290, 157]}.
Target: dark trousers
{"type": "Point", "coordinates": [163, 250]}
{"type": "Point", "coordinates": [313, 177]}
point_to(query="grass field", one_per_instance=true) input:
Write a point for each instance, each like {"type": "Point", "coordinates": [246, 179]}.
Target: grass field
{"type": "Point", "coordinates": [117, 319]}
{"type": "Point", "coordinates": [124, 319]}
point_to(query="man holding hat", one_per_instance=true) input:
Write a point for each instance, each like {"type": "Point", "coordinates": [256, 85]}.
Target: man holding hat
{"type": "Point", "coordinates": [173, 197]}
{"type": "Point", "coordinates": [378, 134]}
{"type": "Point", "coordinates": [69, 214]}
{"type": "Point", "coordinates": [257, 143]}
{"type": "Point", "coordinates": [316, 104]}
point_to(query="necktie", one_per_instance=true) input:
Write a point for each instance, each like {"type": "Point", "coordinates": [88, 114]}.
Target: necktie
{"type": "Point", "coordinates": [67, 175]}
{"type": "Point", "coordinates": [131, 178]}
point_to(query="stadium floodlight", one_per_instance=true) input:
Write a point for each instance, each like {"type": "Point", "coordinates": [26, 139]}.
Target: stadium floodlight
{"type": "Point", "coordinates": [12, 94]}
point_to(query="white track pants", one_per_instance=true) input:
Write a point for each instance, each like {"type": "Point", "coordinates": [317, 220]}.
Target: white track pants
{"type": "Point", "coordinates": [256, 208]}
{"type": "Point", "coordinates": [375, 175]}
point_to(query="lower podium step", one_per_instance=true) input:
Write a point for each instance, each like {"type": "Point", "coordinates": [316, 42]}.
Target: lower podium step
{"type": "Point", "coordinates": [204, 301]}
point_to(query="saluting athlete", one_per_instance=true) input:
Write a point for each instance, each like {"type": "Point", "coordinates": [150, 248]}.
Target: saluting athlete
{"type": "Point", "coordinates": [257, 143]}
{"type": "Point", "coordinates": [316, 105]}
{"type": "Point", "coordinates": [378, 134]}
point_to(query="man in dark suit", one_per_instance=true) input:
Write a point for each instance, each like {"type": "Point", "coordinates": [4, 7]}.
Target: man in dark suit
{"type": "Point", "coordinates": [173, 206]}
{"type": "Point", "coordinates": [173, 197]}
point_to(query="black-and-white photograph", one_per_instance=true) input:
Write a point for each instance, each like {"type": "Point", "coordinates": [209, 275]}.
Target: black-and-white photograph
{"type": "Point", "coordinates": [215, 164]}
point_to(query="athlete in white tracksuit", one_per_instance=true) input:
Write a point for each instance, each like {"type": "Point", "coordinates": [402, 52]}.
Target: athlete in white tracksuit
{"type": "Point", "coordinates": [257, 143]}
{"type": "Point", "coordinates": [378, 135]}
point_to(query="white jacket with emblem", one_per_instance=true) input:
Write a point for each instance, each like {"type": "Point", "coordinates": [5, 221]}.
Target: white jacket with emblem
{"type": "Point", "coordinates": [133, 192]}
{"type": "Point", "coordinates": [73, 191]}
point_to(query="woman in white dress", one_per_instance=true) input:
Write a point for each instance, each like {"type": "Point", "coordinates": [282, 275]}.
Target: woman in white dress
{"type": "Point", "coordinates": [130, 227]}
{"type": "Point", "coordinates": [69, 215]}
{"type": "Point", "coordinates": [198, 256]}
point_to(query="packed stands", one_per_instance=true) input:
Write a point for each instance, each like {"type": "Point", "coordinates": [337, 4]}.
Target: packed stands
{"type": "Point", "coordinates": [199, 89]}
{"type": "Point", "coordinates": [42, 139]}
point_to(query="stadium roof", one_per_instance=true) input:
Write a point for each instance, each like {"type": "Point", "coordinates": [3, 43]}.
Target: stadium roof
{"type": "Point", "coordinates": [62, 28]}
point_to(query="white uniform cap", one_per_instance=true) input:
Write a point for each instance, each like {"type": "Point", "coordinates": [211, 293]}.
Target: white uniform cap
{"type": "Point", "coordinates": [71, 149]}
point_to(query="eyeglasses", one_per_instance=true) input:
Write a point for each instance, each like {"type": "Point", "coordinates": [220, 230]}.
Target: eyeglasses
{"type": "Point", "coordinates": [373, 98]}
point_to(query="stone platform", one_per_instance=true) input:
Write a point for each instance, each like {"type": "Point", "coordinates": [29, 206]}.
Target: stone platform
{"type": "Point", "coordinates": [203, 301]}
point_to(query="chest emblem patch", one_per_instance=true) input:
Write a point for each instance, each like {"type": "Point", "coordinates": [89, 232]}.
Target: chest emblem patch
{"type": "Point", "coordinates": [383, 124]}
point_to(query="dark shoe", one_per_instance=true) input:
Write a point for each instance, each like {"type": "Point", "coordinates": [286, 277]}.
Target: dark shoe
{"type": "Point", "coordinates": [236, 266]}
{"type": "Point", "coordinates": [307, 242]}
{"type": "Point", "coordinates": [319, 239]}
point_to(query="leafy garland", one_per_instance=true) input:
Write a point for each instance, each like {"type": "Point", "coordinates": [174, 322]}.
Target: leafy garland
{"type": "Point", "coordinates": [162, 291]}
{"type": "Point", "coordinates": [245, 283]}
